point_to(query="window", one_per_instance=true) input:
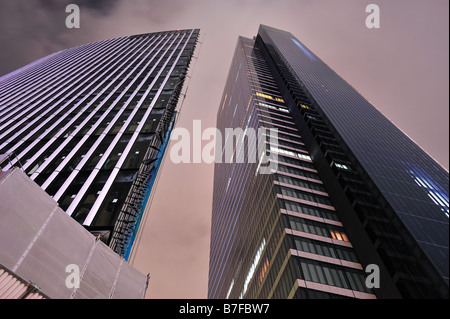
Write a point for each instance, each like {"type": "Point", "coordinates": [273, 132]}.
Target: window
{"type": "Point", "coordinates": [305, 196]}
{"type": "Point", "coordinates": [332, 275]}
{"type": "Point", "coordinates": [324, 249]}
{"type": "Point", "coordinates": [267, 96]}
{"type": "Point", "coordinates": [298, 172]}
{"type": "Point", "coordinates": [301, 183]}
{"type": "Point", "coordinates": [338, 235]}
{"type": "Point", "coordinates": [300, 208]}
{"type": "Point", "coordinates": [283, 151]}
{"type": "Point", "coordinates": [342, 166]}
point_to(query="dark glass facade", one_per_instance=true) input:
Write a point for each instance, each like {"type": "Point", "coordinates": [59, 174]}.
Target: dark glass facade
{"type": "Point", "coordinates": [273, 235]}
{"type": "Point", "coordinates": [389, 196]}
{"type": "Point", "coordinates": [90, 124]}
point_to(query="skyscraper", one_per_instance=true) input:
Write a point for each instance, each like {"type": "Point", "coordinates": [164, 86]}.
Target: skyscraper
{"type": "Point", "coordinates": [90, 125]}
{"type": "Point", "coordinates": [350, 200]}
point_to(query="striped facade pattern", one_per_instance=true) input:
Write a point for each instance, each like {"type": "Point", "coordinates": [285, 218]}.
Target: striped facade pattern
{"type": "Point", "coordinates": [14, 287]}
{"type": "Point", "coordinates": [89, 124]}
{"type": "Point", "coordinates": [391, 196]}
{"type": "Point", "coordinates": [274, 235]}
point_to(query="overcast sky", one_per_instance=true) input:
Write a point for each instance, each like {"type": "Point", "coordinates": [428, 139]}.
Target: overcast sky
{"type": "Point", "coordinates": [402, 68]}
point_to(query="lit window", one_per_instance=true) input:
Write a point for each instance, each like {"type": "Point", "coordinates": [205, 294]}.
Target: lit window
{"type": "Point", "coordinates": [338, 235]}
{"type": "Point", "coordinates": [273, 107]}
{"type": "Point", "coordinates": [342, 166]}
{"type": "Point", "coordinates": [252, 269]}
{"type": "Point", "coordinates": [264, 95]}
{"type": "Point", "coordinates": [267, 96]}
{"type": "Point", "coordinates": [263, 271]}
{"type": "Point", "coordinates": [229, 290]}
{"type": "Point", "coordinates": [282, 151]}
{"type": "Point", "coordinates": [307, 157]}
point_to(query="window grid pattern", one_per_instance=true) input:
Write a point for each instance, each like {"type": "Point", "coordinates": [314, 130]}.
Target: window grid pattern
{"type": "Point", "coordinates": [80, 122]}
{"type": "Point", "coordinates": [246, 260]}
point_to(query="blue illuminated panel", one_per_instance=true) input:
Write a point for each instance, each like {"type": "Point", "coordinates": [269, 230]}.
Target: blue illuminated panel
{"type": "Point", "coordinates": [305, 50]}
{"type": "Point", "coordinates": [433, 190]}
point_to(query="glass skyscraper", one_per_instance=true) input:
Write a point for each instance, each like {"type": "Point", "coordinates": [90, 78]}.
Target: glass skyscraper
{"type": "Point", "coordinates": [90, 125]}
{"type": "Point", "coordinates": [348, 191]}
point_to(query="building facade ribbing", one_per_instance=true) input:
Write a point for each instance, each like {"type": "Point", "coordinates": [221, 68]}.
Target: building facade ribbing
{"type": "Point", "coordinates": [350, 189]}
{"type": "Point", "coordinates": [90, 124]}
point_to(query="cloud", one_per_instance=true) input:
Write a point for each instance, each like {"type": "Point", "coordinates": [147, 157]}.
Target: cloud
{"type": "Point", "coordinates": [102, 7]}
{"type": "Point", "coordinates": [33, 29]}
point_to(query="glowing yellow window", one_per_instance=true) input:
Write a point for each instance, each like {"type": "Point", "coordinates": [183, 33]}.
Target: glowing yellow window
{"type": "Point", "coordinates": [264, 95]}
{"type": "Point", "coordinates": [339, 236]}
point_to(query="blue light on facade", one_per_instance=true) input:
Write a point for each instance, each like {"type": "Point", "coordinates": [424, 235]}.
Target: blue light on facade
{"type": "Point", "coordinates": [305, 50]}
{"type": "Point", "coordinates": [436, 193]}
